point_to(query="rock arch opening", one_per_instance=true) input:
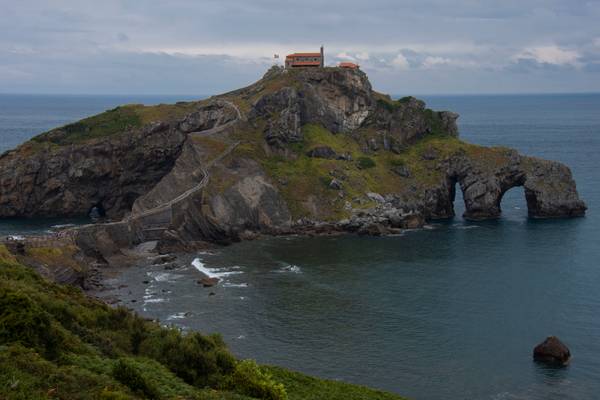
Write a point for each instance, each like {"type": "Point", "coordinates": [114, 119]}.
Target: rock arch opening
{"type": "Point", "coordinates": [513, 202]}
{"type": "Point", "coordinates": [457, 201]}
{"type": "Point", "coordinates": [97, 211]}
{"type": "Point", "coordinates": [477, 197]}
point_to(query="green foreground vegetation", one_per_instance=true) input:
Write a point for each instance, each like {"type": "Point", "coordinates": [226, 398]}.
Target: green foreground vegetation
{"type": "Point", "coordinates": [57, 343]}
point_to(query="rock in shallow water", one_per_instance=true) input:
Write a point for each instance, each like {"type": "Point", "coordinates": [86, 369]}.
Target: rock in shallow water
{"type": "Point", "coordinates": [208, 282]}
{"type": "Point", "coordinates": [552, 351]}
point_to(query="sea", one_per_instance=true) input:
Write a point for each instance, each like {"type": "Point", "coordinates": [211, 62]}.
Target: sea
{"type": "Point", "coordinates": [451, 311]}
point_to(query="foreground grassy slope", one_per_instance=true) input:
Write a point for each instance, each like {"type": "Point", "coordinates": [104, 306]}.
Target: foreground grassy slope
{"type": "Point", "coordinates": [57, 343]}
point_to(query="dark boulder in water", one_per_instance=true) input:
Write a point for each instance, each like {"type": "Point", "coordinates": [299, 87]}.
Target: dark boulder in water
{"type": "Point", "coordinates": [208, 281]}
{"type": "Point", "coordinates": [552, 351]}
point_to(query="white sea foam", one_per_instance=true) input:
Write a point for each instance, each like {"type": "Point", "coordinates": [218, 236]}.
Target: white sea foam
{"type": "Point", "coordinates": [290, 268]}
{"type": "Point", "coordinates": [206, 253]}
{"type": "Point", "coordinates": [163, 276]}
{"type": "Point", "coordinates": [16, 237]}
{"type": "Point", "coordinates": [157, 300]}
{"type": "Point", "coordinates": [214, 272]}
{"type": "Point", "coordinates": [179, 315]}
{"type": "Point", "coordinates": [239, 285]}
{"type": "Point", "coordinates": [60, 226]}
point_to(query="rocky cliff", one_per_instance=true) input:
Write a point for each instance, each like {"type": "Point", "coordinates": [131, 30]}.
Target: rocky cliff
{"type": "Point", "coordinates": [299, 150]}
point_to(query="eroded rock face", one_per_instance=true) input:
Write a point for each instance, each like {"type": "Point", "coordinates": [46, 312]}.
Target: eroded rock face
{"type": "Point", "coordinates": [338, 99]}
{"type": "Point", "coordinates": [286, 128]}
{"type": "Point", "coordinates": [550, 190]}
{"type": "Point", "coordinates": [407, 120]}
{"type": "Point", "coordinates": [69, 180]}
{"type": "Point", "coordinates": [251, 204]}
{"type": "Point", "coordinates": [185, 174]}
{"type": "Point", "coordinates": [343, 101]}
{"type": "Point", "coordinates": [207, 117]}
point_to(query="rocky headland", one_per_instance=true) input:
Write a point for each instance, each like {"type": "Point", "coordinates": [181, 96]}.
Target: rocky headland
{"type": "Point", "coordinates": [300, 151]}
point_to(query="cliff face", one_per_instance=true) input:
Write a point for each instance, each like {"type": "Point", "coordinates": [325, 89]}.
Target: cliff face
{"type": "Point", "coordinates": [45, 179]}
{"type": "Point", "coordinates": [308, 149]}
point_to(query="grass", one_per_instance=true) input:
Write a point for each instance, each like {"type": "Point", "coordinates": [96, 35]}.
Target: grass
{"type": "Point", "coordinates": [57, 343]}
{"type": "Point", "coordinates": [116, 121]}
{"type": "Point", "coordinates": [6, 257]}
{"type": "Point", "coordinates": [303, 387]}
{"type": "Point", "coordinates": [213, 147]}
{"type": "Point", "coordinates": [59, 256]}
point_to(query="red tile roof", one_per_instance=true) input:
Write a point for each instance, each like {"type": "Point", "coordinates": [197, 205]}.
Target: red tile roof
{"type": "Point", "coordinates": [303, 55]}
{"type": "Point", "coordinates": [348, 65]}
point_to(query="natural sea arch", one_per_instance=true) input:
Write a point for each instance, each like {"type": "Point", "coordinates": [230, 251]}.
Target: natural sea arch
{"type": "Point", "coordinates": [511, 201]}
{"type": "Point", "coordinates": [547, 187]}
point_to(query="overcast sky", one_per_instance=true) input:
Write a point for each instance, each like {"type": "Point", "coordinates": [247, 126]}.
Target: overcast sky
{"type": "Point", "coordinates": [207, 47]}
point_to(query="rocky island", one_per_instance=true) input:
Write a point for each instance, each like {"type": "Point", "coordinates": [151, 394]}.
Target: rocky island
{"type": "Point", "coordinates": [301, 150]}
{"type": "Point", "coordinates": [308, 151]}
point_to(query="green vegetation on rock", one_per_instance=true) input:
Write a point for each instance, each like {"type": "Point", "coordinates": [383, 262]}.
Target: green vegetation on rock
{"type": "Point", "coordinates": [113, 122]}
{"type": "Point", "coordinates": [117, 120]}
{"type": "Point", "coordinates": [365, 162]}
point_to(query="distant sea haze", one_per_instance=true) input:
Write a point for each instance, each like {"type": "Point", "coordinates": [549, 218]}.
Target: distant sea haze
{"type": "Point", "coordinates": [452, 311]}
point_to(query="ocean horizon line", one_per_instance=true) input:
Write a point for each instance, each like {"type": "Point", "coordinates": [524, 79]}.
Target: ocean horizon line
{"type": "Point", "coordinates": [206, 95]}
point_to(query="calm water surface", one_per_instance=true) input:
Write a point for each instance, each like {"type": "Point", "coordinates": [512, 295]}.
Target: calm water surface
{"type": "Point", "coordinates": [451, 311]}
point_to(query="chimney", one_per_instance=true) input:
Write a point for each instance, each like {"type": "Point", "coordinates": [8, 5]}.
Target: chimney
{"type": "Point", "coordinates": [322, 57]}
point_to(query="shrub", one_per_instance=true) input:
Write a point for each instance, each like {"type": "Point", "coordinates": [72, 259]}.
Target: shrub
{"type": "Point", "coordinates": [387, 104]}
{"type": "Point", "coordinates": [405, 99]}
{"type": "Point", "coordinates": [397, 162]}
{"type": "Point", "coordinates": [197, 359]}
{"type": "Point", "coordinates": [23, 321]}
{"type": "Point", "coordinates": [128, 374]}
{"type": "Point", "coordinates": [250, 380]}
{"type": "Point", "coordinates": [138, 334]}
{"type": "Point", "coordinates": [365, 162]}
{"type": "Point", "coordinates": [108, 394]}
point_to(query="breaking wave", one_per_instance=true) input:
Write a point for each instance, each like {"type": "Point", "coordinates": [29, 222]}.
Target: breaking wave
{"type": "Point", "coordinates": [290, 268]}
{"type": "Point", "coordinates": [214, 272]}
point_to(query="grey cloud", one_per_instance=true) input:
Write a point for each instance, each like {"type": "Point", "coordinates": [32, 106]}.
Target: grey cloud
{"type": "Point", "coordinates": [212, 45]}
